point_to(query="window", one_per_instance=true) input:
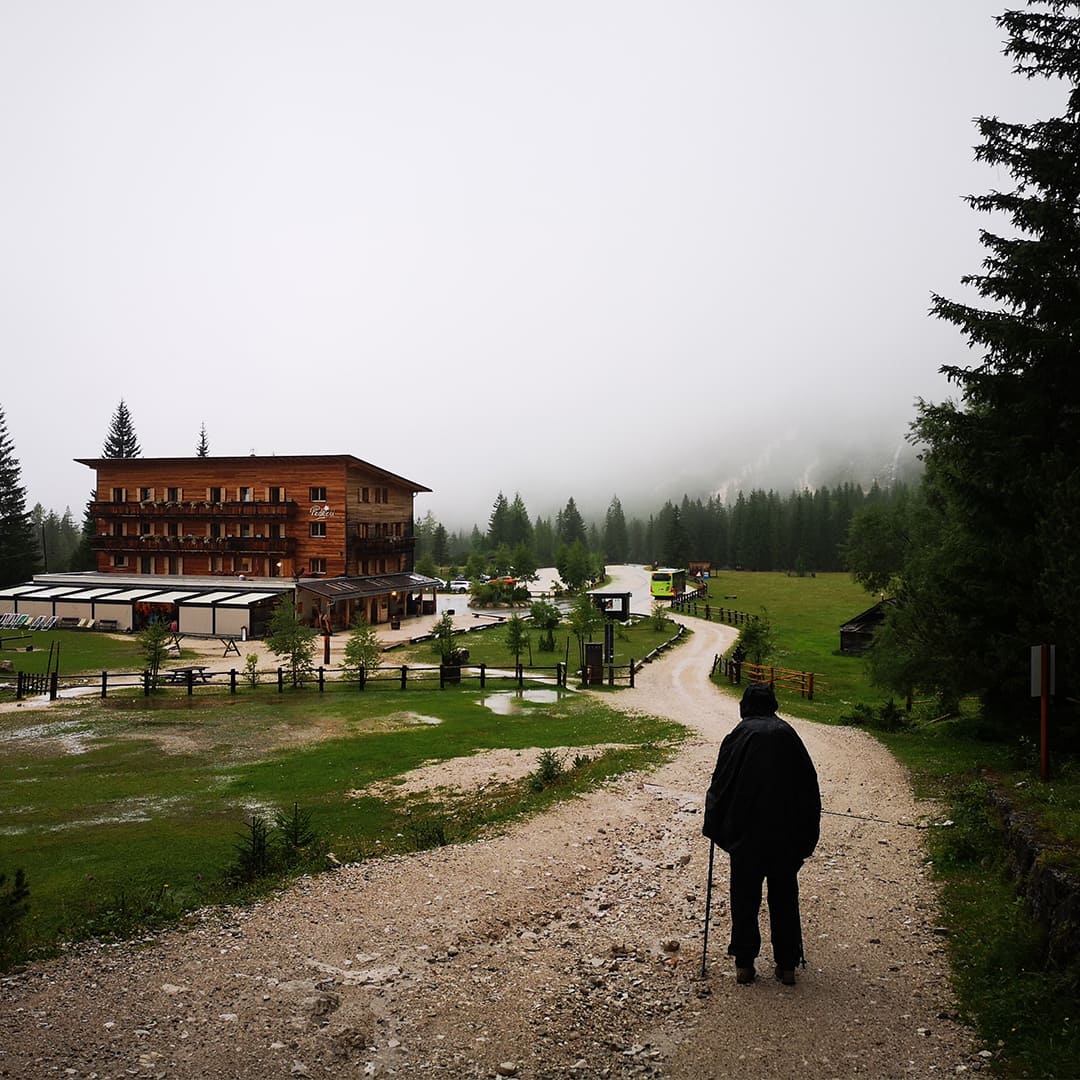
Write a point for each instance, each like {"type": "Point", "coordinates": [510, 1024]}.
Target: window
{"type": "Point", "coordinates": [364, 494]}
{"type": "Point", "coordinates": [172, 494]}
{"type": "Point", "coordinates": [176, 566]}
{"type": "Point", "coordinates": [244, 494]}
{"type": "Point", "coordinates": [118, 528]}
{"type": "Point", "coordinates": [318, 528]}
{"type": "Point", "coordinates": [275, 494]}
{"type": "Point", "coordinates": [174, 528]}
{"type": "Point", "coordinates": [215, 528]}
{"type": "Point", "coordinates": [245, 529]}
{"type": "Point", "coordinates": [385, 494]}
{"type": "Point", "coordinates": [146, 494]}
{"type": "Point", "coordinates": [214, 494]}
{"type": "Point", "coordinates": [146, 565]}
{"type": "Point", "coordinates": [145, 529]}
{"type": "Point", "coordinates": [318, 494]}
{"type": "Point", "coordinates": [119, 495]}
{"type": "Point", "coordinates": [317, 566]}
{"type": "Point", "coordinates": [378, 494]}
{"type": "Point", "coordinates": [277, 530]}
{"type": "Point", "coordinates": [243, 565]}
{"type": "Point", "coordinates": [119, 560]}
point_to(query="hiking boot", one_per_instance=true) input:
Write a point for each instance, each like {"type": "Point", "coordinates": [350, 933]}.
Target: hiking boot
{"type": "Point", "coordinates": [786, 975]}
{"type": "Point", "coordinates": [744, 975]}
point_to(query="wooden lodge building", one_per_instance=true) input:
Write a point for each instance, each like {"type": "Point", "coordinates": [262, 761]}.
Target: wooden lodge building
{"type": "Point", "coordinates": [195, 538]}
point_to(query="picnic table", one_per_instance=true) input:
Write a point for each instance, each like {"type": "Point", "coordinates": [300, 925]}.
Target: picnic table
{"type": "Point", "coordinates": [191, 673]}
{"type": "Point", "coordinates": [230, 646]}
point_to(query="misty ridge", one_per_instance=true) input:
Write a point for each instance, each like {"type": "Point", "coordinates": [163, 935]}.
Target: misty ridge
{"type": "Point", "coordinates": [787, 463]}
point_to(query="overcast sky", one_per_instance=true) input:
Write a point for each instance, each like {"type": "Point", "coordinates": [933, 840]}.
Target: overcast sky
{"type": "Point", "coordinates": [562, 248]}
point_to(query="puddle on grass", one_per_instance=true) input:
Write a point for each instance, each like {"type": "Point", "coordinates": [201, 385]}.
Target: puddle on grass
{"type": "Point", "coordinates": [509, 702]}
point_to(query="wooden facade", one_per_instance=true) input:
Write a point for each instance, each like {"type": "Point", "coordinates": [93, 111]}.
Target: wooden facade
{"type": "Point", "coordinates": [305, 516]}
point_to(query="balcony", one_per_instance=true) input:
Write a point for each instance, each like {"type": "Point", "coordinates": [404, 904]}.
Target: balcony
{"type": "Point", "coordinates": [280, 546]}
{"type": "Point", "coordinates": [204, 511]}
{"type": "Point", "coordinates": [366, 547]}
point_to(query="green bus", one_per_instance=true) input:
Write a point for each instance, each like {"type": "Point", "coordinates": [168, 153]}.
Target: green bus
{"type": "Point", "coordinates": [667, 582]}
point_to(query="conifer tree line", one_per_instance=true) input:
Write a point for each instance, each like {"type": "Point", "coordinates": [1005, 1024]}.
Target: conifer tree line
{"type": "Point", "coordinates": [801, 532]}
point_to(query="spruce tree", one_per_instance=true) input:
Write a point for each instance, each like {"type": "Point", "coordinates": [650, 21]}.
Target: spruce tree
{"type": "Point", "coordinates": [1002, 484]}
{"type": "Point", "coordinates": [616, 542]}
{"type": "Point", "coordinates": [18, 544]}
{"type": "Point", "coordinates": [203, 449]}
{"type": "Point", "coordinates": [121, 441]}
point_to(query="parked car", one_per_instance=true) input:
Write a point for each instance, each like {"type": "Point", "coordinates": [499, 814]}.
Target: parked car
{"type": "Point", "coordinates": [460, 585]}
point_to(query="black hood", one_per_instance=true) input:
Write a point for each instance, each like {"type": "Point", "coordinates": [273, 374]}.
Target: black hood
{"type": "Point", "coordinates": [758, 700]}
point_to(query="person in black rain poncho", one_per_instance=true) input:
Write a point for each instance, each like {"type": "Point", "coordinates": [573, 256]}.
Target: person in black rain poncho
{"type": "Point", "coordinates": [763, 808]}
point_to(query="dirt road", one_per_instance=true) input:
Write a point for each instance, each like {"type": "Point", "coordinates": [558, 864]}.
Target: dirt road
{"type": "Point", "coordinates": [570, 946]}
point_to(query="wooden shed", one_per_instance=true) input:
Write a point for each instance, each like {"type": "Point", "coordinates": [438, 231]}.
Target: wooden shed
{"type": "Point", "coordinates": [857, 634]}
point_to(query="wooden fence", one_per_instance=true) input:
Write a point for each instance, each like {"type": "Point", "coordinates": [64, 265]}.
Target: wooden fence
{"type": "Point", "coordinates": [806, 682]}
{"type": "Point", "coordinates": [403, 677]}
{"type": "Point", "coordinates": [695, 604]}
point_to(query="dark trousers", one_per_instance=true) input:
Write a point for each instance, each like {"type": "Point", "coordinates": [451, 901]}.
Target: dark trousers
{"type": "Point", "coordinates": [748, 873]}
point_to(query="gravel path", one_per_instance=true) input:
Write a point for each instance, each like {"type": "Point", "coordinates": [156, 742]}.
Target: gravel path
{"type": "Point", "coordinates": [570, 946]}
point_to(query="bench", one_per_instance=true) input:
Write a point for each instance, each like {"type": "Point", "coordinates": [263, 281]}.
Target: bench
{"type": "Point", "coordinates": [69, 622]}
{"type": "Point", "coordinates": [197, 672]}
{"type": "Point", "coordinates": [109, 625]}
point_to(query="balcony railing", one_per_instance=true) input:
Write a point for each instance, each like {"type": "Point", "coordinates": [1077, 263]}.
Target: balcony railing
{"type": "Point", "coordinates": [202, 510]}
{"type": "Point", "coordinates": [215, 545]}
{"type": "Point", "coordinates": [381, 545]}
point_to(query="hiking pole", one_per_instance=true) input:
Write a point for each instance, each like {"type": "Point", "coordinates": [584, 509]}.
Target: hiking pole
{"type": "Point", "coordinates": [708, 908]}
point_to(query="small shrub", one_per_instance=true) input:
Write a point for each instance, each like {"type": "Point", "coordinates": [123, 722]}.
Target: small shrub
{"type": "Point", "coordinates": [251, 669]}
{"type": "Point", "coordinates": [581, 761]}
{"type": "Point", "coordinates": [294, 835]}
{"type": "Point", "coordinates": [428, 832]}
{"type": "Point", "coordinates": [861, 715]}
{"type": "Point", "coordinates": [14, 906]}
{"type": "Point", "coordinates": [252, 851]}
{"type": "Point", "coordinates": [549, 770]}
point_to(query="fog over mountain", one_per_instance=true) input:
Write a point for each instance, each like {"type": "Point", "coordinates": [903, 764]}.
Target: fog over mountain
{"type": "Point", "coordinates": [591, 248]}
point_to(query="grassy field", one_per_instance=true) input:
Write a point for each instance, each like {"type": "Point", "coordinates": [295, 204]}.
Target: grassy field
{"type": "Point", "coordinates": [129, 811]}
{"type": "Point", "coordinates": [79, 651]}
{"type": "Point", "coordinates": [806, 613]}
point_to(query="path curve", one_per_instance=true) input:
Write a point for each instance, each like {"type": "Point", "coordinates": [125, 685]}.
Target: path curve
{"type": "Point", "coordinates": [569, 946]}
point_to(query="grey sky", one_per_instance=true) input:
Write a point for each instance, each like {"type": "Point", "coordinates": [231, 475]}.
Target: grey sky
{"type": "Point", "coordinates": [564, 248]}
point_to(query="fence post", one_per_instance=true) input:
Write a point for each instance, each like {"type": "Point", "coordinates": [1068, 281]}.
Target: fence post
{"type": "Point", "coordinates": [810, 691]}
{"type": "Point", "coordinates": [632, 665]}
{"type": "Point", "coordinates": [520, 675]}
{"type": "Point", "coordinates": [320, 679]}
{"type": "Point", "coordinates": [18, 685]}
{"type": "Point", "coordinates": [232, 681]}
{"type": "Point", "coordinates": [280, 681]}
{"type": "Point", "coordinates": [611, 675]}
{"type": "Point", "coordinates": [54, 686]}
{"type": "Point", "coordinates": [363, 676]}
{"type": "Point", "coordinates": [442, 676]}
{"type": "Point", "coordinates": [772, 677]}
{"type": "Point", "coordinates": [483, 676]}
{"type": "Point", "coordinates": [104, 682]}
{"type": "Point", "coordinates": [190, 682]}
{"type": "Point", "coordinates": [146, 682]}
{"type": "Point", "coordinates": [404, 676]}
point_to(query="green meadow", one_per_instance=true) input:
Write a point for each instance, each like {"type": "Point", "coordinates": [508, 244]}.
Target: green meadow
{"type": "Point", "coordinates": [128, 811]}
{"type": "Point", "coordinates": [806, 614]}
